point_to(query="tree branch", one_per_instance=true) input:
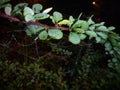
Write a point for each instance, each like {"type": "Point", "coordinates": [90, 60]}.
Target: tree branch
{"type": "Point", "coordinates": [14, 19]}
{"type": "Point", "coordinates": [48, 26]}
{"type": "Point", "coordinates": [10, 18]}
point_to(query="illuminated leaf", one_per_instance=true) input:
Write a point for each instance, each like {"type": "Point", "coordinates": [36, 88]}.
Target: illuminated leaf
{"type": "Point", "coordinates": [29, 18]}
{"type": "Point", "coordinates": [64, 22]}
{"type": "Point", "coordinates": [82, 36]}
{"type": "Point", "coordinates": [77, 24]}
{"type": "Point", "coordinates": [85, 25]}
{"type": "Point", "coordinates": [52, 18]}
{"type": "Point", "coordinates": [57, 16]}
{"type": "Point", "coordinates": [102, 28]}
{"type": "Point", "coordinates": [92, 27]}
{"type": "Point", "coordinates": [27, 11]}
{"type": "Point", "coordinates": [91, 33]}
{"type": "Point", "coordinates": [47, 10]}
{"type": "Point", "coordinates": [98, 39]}
{"type": "Point", "coordinates": [71, 19]}
{"type": "Point", "coordinates": [102, 35]}
{"type": "Point", "coordinates": [99, 24]}
{"type": "Point", "coordinates": [79, 30]}
{"type": "Point", "coordinates": [111, 28]}
{"type": "Point", "coordinates": [74, 38]}
{"type": "Point", "coordinates": [55, 33]}
{"type": "Point", "coordinates": [41, 16]}
{"type": "Point", "coordinates": [108, 46]}
{"type": "Point", "coordinates": [90, 21]}
{"type": "Point", "coordinates": [43, 35]}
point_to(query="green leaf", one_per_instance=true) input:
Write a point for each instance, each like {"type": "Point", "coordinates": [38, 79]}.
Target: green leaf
{"type": "Point", "coordinates": [108, 46]}
{"type": "Point", "coordinates": [117, 50]}
{"type": "Point", "coordinates": [43, 35]}
{"type": "Point", "coordinates": [55, 33]}
{"type": "Point", "coordinates": [57, 16]}
{"type": "Point", "coordinates": [98, 39]}
{"type": "Point", "coordinates": [20, 7]}
{"type": "Point", "coordinates": [103, 35]}
{"type": "Point", "coordinates": [29, 18]}
{"type": "Point", "coordinates": [92, 28]}
{"type": "Point", "coordinates": [110, 65]}
{"type": "Point", "coordinates": [71, 19]}
{"type": "Point", "coordinates": [91, 33]}
{"type": "Point", "coordinates": [79, 30]}
{"type": "Point", "coordinates": [82, 36]}
{"type": "Point", "coordinates": [114, 35]}
{"type": "Point", "coordinates": [90, 21]}
{"type": "Point", "coordinates": [102, 28]}
{"type": "Point", "coordinates": [64, 22]}
{"type": "Point", "coordinates": [74, 38]}
{"type": "Point", "coordinates": [41, 16]}
{"type": "Point", "coordinates": [52, 18]}
{"type": "Point", "coordinates": [37, 8]}
{"type": "Point", "coordinates": [18, 13]}
{"type": "Point", "coordinates": [18, 10]}
{"type": "Point", "coordinates": [114, 60]}
{"type": "Point", "coordinates": [99, 24]}
{"type": "Point", "coordinates": [85, 25]}
{"type": "Point", "coordinates": [77, 24]}
{"type": "Point", "coordinates": [28, 11]}
{"type": "Point", "coordinates": [111, 28]}
{"type": "Point", "coordinates": [33, 29]}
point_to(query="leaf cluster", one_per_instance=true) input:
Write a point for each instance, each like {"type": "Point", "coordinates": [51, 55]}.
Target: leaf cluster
{"type": "Point", "coordinates": [79, 29]}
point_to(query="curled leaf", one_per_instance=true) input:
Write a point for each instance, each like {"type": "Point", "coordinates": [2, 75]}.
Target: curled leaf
{"type": "Point", "coordinates": [47, 10]}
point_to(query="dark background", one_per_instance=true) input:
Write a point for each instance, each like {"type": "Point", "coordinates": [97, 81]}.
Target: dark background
{"type": "Point", "coordinates": [106, 10]}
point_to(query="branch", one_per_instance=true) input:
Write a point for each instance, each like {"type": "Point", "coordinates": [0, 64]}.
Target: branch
{"type": "Point", "coordinates": [48, 26]}
{"type": "Point", "coordinates": [10, 18]}
{"type": "Point", "coordinates": [14, 19]}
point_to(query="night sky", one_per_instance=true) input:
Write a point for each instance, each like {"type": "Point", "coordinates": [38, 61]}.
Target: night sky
{"type": "Point", "coordinates": [106, 10]}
